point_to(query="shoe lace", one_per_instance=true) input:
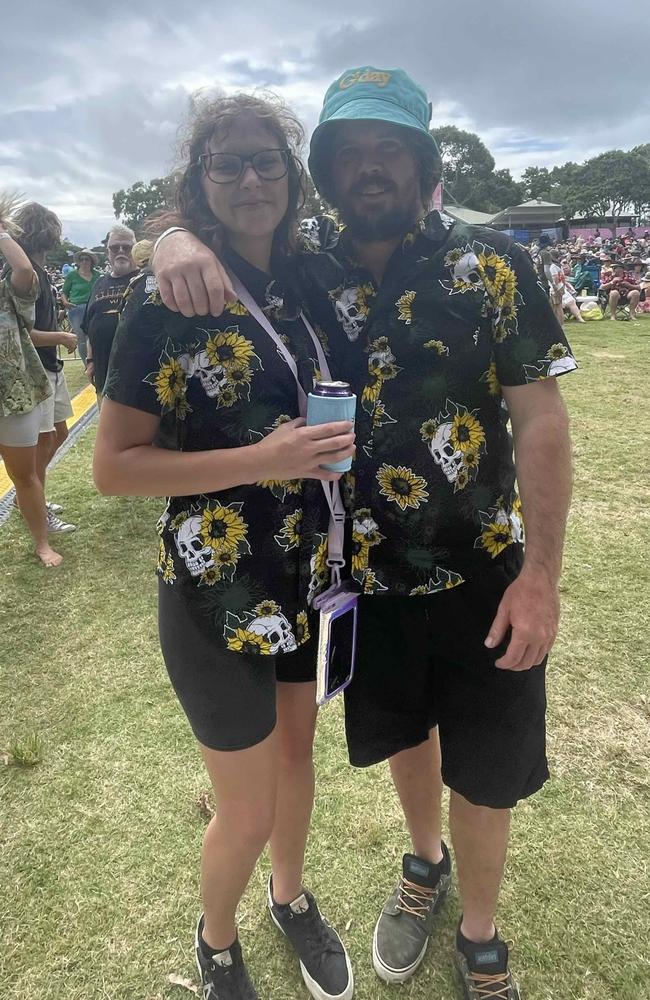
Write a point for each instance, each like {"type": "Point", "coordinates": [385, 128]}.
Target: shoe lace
{"type": "Point", "coordinates": [319, 936]}
{"type": "Point", "coordinates": [415, 899]}
{"type": "Point", "coordinates": [234, 978]}
{"type": "Point", "coordinates": [491, 987]}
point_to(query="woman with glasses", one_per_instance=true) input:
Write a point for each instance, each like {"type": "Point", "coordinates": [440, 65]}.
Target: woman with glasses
{"type": "Point", "coordinates": [243, 538]}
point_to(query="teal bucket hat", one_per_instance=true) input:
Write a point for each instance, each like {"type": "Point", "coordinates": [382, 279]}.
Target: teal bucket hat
{"type": "Point", "coordinates": [369, 93]}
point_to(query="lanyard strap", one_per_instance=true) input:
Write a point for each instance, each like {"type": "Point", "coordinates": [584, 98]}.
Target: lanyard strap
{"type": "Point", "coordinates": [335, 558]}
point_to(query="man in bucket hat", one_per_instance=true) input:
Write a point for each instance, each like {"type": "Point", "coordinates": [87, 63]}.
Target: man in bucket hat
{"type": "Point", "coordinates": [445, 334]}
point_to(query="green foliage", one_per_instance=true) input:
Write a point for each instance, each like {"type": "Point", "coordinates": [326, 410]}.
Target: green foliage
{"type": "Point", "coordinates": [63, 253]}
{"type": "Point", "coordinates": [139, 201]}
{"type": "Point", "coordinates": [610, 183]}
{"type": "Point", "coordinates": [469, 175]}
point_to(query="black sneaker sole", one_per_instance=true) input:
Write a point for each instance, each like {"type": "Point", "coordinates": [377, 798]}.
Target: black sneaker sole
{"type": "Point", "coordinates": [314, 989]}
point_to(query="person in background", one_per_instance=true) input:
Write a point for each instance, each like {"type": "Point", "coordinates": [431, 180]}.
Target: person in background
{"type": "Point", "coordinates": [23, 383]}
{"type": "Point", "coordinates": [102, 310]}
{"type": "Point", "coordinates": [75, 293]}
{"type": "Point", "coordinates": [581, 278]}
{"type": "Point", "coordinates": [40, 233]}
{"type": "Point", "coordinates": [621, 290]}
{"type": "Point", "coordinates": [142, 253]}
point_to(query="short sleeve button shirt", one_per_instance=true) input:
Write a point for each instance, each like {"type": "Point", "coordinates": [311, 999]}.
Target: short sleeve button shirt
{"type": "Point", "coordinates": [459, 313]}
{"type": "Point", "coordinates": [249, 559]}
{"type": "Point", "coordinates": [23, 382]}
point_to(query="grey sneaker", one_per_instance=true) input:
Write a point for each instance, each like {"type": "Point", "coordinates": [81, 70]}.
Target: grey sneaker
{"type": "Point", "coordinates": [404, 927]}
{"type": "Point", "coordinates": [55, 524]}
{"type": "Point", "coordinates": [54, 508]}
{"type": "Point", "coordinates": [483, 970]}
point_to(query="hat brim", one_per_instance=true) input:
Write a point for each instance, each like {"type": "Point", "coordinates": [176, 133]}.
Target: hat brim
{"type": "Point", "coordinates": [372, 109]}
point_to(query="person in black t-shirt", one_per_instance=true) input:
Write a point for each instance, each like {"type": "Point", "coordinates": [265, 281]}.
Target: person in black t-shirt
{"type": "Point", "coordinates": [102, 311]}
{"type": "Point", "coordinates": [40, 233]}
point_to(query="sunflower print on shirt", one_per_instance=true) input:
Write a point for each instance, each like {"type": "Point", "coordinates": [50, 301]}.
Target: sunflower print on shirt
{"type": "Point", "coordinates": [365, 535]}
{"type": "Point", "coordinates": [402, 486]}
{"type": "Point", "coordinates": [456, 440]}
{"type": "Point", "coordinates": [170, 381]}
{"type": "Point", "coordinates": [382, 368]}
{"type": "Point", "coordinates": [211, 540]}
{"type": "Point", "coordinates": [477, 267]}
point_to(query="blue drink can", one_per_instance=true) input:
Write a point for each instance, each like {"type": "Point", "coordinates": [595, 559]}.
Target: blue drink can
{"type": "Point", "coordinates": [327, 403]}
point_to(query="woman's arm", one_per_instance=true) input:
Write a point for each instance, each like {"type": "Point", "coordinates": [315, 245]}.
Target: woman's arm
{"type": "Point", "coordinates": [22, 272]}
{"type": "Point", "coordinates": [127, 464]}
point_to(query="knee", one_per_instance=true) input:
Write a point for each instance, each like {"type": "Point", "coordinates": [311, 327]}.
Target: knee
{"type": "Point", "coordinates": [614, 296]}
{"type": "Point", "coordinates": [24, 480]}
{"type": "Point", "coordinates": [296, 750]}
{"type": "Point", "coordinates": [251, 823]}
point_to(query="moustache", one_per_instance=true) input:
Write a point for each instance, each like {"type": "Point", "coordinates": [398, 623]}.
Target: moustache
{"type": "Point", "coordinates": [372, 182]}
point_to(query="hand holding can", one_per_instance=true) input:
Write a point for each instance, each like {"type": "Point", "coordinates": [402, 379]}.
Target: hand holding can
{"type": "Point", "coordinates": [327, 403]}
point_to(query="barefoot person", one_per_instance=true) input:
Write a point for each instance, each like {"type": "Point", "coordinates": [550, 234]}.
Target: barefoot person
{"type": "Point", "coordinates": [445, 334]}
{"type": "Point", "coordinates": [243, 536]}
{"type": "Point", "coordinates": [23, 385]}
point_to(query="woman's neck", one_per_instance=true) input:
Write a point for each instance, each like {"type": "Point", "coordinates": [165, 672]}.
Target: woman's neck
{"type": "Point", "coordinates": [256, 250]}
{"type": "Point", "coordinates": [85, 272]}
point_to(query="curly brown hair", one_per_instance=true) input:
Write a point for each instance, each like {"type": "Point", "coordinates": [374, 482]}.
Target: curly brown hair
{"type": "Point", "coordinates": [210, 115]}
{"type": "Point", "coordinates": [40, 229]}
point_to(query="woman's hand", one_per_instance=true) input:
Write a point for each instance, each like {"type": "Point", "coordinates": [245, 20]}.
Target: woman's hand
{"type": "Point", "coordinates": [190, 279]}
{"type": "Point", "coordinates": [295, 451]}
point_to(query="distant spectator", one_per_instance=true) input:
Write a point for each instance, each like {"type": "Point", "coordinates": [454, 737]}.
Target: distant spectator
{"type": "Point", "coordinates": [142, 253]}
{"type": "Point", "coordinates": [561, 291]}
{"type": "Point", "coordinates": [102, 311]}
{"type": "Point", "coordinates": [40, 233]}
{"type": "Point", "coordinates": [75, 293]}
{"type": "Point", "coordinates": [621, 289]}
{"type": "Point", "coordinates": [23, 384]}
{"type": "Point", "coordinates": [581, 277]}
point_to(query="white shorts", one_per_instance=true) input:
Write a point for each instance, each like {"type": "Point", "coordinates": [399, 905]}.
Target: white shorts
{"type": "Point", "coordinates": [58, 407]}
{"type": "Point", "coordinates": [21, 430]}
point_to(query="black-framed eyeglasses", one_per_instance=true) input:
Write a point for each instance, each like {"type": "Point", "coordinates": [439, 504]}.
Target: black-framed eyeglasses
{"type": "Point", "coordinates": [224, 168]}
{"type": "Point", "coordinates": [125, 247]}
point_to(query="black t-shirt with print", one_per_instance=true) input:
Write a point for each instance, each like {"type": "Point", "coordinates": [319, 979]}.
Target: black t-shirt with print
{"type": "Point", "coordinates": [45, 319]}
{"type": "Point", "coordinates": [100, 320]}
{"type": "Point", "coordinates": [459, 313]}
{"type": "Point", "coordinates": [248, 560]}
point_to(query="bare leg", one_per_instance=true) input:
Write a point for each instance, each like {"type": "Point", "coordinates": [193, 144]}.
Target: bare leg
{"type": "Point", "coordinates": [245, 783]}
{"type": "Point", "coordinates": [633, 299]}
{"type": "Point", "coordinates": [20, 463]}
{"type": "Point", "coordinates": [297, 710]}
{"type": "Point", "coordinates": [45, 450]}
{"type": "Point", "coordinates": [575, 311]}
{"type": "Point", "coordinates": [480, 839]}
{"type": "Point", "coordinates": [614, 297]}
{"type": "Point", "coordinates": [416, 775]}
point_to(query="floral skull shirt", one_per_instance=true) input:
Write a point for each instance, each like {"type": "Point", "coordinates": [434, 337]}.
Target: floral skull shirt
{"type": "Point", "coordinates": [458, 314]}
{"type": "Point", "coordinates": [249, 559]}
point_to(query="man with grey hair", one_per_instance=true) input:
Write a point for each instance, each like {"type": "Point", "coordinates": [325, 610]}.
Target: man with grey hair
{"type": "Point", "coordinates": [102, 311]}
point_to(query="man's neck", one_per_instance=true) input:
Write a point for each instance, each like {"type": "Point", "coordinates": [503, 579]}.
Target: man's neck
{"type": "Point", "coordinates": [375, 256]}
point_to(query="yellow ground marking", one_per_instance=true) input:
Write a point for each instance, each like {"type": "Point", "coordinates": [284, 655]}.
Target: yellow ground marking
{"type": "Point", "coordinates": [81, 403]}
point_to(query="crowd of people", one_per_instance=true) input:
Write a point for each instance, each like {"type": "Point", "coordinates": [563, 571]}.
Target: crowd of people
{"type": "Point", "coordinates": [422, 317]}
{"type": "Point", "coordinates": [594, 276]}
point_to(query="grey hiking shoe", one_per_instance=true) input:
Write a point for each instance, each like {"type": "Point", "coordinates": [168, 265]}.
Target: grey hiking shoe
{"type": "Point", "coordinates": [55, 524]}
{"type": "Point", "coordinates": [483, 969]}
{"type": "Point", "coordinates": [404, 927]}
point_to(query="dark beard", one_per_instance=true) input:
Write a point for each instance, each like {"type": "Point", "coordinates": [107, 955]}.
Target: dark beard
{"type": "Point", "coordinates": [376, 229]}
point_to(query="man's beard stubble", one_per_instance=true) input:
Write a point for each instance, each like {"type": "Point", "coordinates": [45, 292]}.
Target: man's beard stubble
{"type": "Point", "coordinates": [376, 228]}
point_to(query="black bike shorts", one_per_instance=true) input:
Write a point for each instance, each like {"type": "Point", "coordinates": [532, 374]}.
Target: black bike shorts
{"type": "Point", "coordinates": [421, 662]}
{"type": "Point", "coordinates": [229, 698]}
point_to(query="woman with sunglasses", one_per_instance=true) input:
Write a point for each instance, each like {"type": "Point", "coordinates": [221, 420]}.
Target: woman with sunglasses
{"type": "Point", "coordinates": [243, 538]}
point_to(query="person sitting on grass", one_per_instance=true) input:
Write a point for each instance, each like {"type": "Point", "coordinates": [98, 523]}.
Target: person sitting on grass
{"type": "Point", "coordinates": [23, 384]}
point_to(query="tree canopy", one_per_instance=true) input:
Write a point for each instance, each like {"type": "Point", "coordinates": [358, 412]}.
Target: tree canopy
{"type": "Point", "coordinates": [139, 201]}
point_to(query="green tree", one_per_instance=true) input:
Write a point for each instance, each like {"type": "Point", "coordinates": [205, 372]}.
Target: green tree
{"type": "Point", "coordinates": [536, 183]}
{"type": "Point", "coordinates": [62, 254]}
{"type": "Point", "coordinates": [139, 201]}
{"type": "Point", "coordinates": [610, 183]}
{"type": "Point", "coordinates": [466, 161]}
{"type": "Point", "coordinates": [496, 191]}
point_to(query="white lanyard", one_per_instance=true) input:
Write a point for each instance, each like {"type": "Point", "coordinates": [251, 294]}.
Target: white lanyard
{"type": "Point", "coordinates": [335, 558]}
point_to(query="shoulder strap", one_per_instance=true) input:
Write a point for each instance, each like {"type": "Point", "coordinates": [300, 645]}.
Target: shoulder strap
{"type": "Point", "coordinates": [335, 558]}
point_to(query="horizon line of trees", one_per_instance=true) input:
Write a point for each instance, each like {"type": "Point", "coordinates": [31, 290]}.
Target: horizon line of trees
{"type": "Point", "coordinates": [614, 183]}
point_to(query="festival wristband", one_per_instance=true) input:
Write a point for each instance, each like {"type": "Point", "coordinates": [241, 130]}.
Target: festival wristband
{"type": "Point", "coordinates": [168, 232]}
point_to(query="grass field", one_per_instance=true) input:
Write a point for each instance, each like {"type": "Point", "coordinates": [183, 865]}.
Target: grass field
{"type": "Point", "coordinates": [99, 839]}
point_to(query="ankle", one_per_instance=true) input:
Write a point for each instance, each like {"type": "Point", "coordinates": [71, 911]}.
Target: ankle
{"type": "Point", "coordinates": [478, 930]}
{"type": "Point", "coordinates": [217, 938]}
{"type": "Point", "coordinates": [285, 890]}
{"type": "Point", "coordinates": [430, 850]}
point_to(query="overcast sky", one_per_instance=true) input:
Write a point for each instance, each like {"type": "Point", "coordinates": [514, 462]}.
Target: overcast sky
{"type": "Point", "coordinates": [91, 95]}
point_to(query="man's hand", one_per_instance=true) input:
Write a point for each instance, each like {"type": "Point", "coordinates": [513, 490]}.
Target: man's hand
{"type": "Point", "coordinates": [531, 608]}
{"type": "Point", "coordinates": [69, 341]}
{"type": "Point", "coordinates": [190, 278]}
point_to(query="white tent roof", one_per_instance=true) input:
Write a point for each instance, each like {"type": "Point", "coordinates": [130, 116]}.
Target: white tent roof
{"type": "Point", "coordinates": [468, 215]}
